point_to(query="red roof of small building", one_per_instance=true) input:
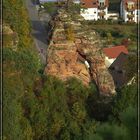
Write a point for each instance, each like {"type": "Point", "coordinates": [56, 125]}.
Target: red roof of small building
{"type": "Point", "coordinates": [114, 52]}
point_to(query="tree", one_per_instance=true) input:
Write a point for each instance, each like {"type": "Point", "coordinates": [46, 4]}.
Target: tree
{"type": "Point", "coordinates": [18, 20]}
{"type": "Point", "coordinates": [125, 42]}
{"type": "Point", "coordinates": [15, 125]}
{"type": "Point", "coordinates": [126, 97]}
{"type": "Point", "coordinates": [78, 112]}
{"type": "Point", "coordinates": [76, 91]}
{"type": "Point", "coordinates": [20, 68]}
{"type": "Point", "coordinates": [48, 111]}
{"type": "Point", "coordinates": [111, 131]}
{"type": "Point", "coordinates": [129, 119]}
{"type": "Point", "coordinates": [131, 66]}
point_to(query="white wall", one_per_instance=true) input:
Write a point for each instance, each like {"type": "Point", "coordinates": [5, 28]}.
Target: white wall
{"type": "Point", "coordinates": [113, 16]}
{"type": "Point", "coordinates": [126, 18]}
{"type": "Point", "coordinates": [108, 61]}
{"type": "Point", "coordinates": [90, 13]}
{"type": "Point", "coordinates": [137, 11]}
{"type": "Point", "coordinates": [124, 13]}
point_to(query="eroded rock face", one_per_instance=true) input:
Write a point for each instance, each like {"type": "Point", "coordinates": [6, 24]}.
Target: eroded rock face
{"type": "Point", "coordinates": [71, 45]}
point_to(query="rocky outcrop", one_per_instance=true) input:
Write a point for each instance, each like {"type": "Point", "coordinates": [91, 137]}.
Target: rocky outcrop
{"type": "Point", "coordinates": [76, 51]}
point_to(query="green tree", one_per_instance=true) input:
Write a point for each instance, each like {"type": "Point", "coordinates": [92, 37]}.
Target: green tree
{"type": "Point", "coordinates": [125, 130]}
{"type": "Point", "coordinates": [76, 91]}
{"type": "Point", "coordinates": [15, 125]}
{"type": "Point", "coordinates": [49, 111]}
{"type": "Point", "coordinates": [129, 119]}
{"type": "Point", "coordinates": [126, 97]}
{"type": "Point", "coordinates": [131, 66]}
{"type": "Point", "coordinates": [20, 68]}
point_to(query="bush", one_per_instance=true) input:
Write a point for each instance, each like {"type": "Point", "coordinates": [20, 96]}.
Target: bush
{"type": "Point", "coordinates": [74, 9]}
{"type": "Point", "coordinates": [50, 7]}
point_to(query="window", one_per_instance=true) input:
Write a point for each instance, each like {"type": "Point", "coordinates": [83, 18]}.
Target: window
{"type": "Point", "coordinates": [94, 3]}
{"type": "Point", "coordinates": [101, 3]}
{"type": "Point", "coordinates": [130, 5]}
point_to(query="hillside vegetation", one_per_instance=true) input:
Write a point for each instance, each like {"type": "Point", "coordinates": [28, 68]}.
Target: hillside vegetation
{"type": "Point", "coordinates": [38, 107]}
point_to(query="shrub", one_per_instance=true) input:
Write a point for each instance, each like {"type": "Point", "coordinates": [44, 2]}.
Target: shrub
{"type": "Point", "coordinates": [69, 32]}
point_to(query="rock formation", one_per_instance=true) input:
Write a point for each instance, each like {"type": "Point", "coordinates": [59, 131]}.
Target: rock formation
{"type": "Point", "coordinates": [76, 51]}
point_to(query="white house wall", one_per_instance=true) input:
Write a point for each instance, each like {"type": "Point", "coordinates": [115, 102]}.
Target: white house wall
{"type": "Point", "coordinates": [108, 61]}
{"type": "Point", "coordinates": [137, 15]}
{"type": "Point", "coordinates": [113, 16]}
{"type": "Point", "coordinates": [90, 13]}
{"type": "Point", "coordinates": [124, 13]}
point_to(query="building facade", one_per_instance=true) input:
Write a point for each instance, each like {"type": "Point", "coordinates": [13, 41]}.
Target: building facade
{"type": "Point", "coordinates": [94, 9]}
{"type": "Point", "coordinates": [118, 70]}
{"type": "Point", "coordinates": [129, 11]}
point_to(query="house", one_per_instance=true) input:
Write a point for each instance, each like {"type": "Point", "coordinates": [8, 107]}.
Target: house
{"type": "Point", "coordinates": [118, 71]}
{"type": "Point", "coordinates": [44, 1]}
{"type": "Point", "coordinates": [130, 10]}
{"type": "Point", "coordinates": [94, 9]}
{"type": "Point", "coordinates": [112, 53]}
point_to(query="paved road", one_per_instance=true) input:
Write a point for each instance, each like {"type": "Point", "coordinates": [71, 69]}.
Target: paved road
{"type": "Point", "coordinates": [39, 32]}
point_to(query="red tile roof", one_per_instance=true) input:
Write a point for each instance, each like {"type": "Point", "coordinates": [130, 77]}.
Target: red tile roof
{"type": "Point", "coordinates": [113, 52]}
{"type": "Point", "coordinates": [92, 3]}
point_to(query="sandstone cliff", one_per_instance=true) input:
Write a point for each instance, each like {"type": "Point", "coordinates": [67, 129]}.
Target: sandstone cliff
{"type": "Point", "coordinates": [71, 46]}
